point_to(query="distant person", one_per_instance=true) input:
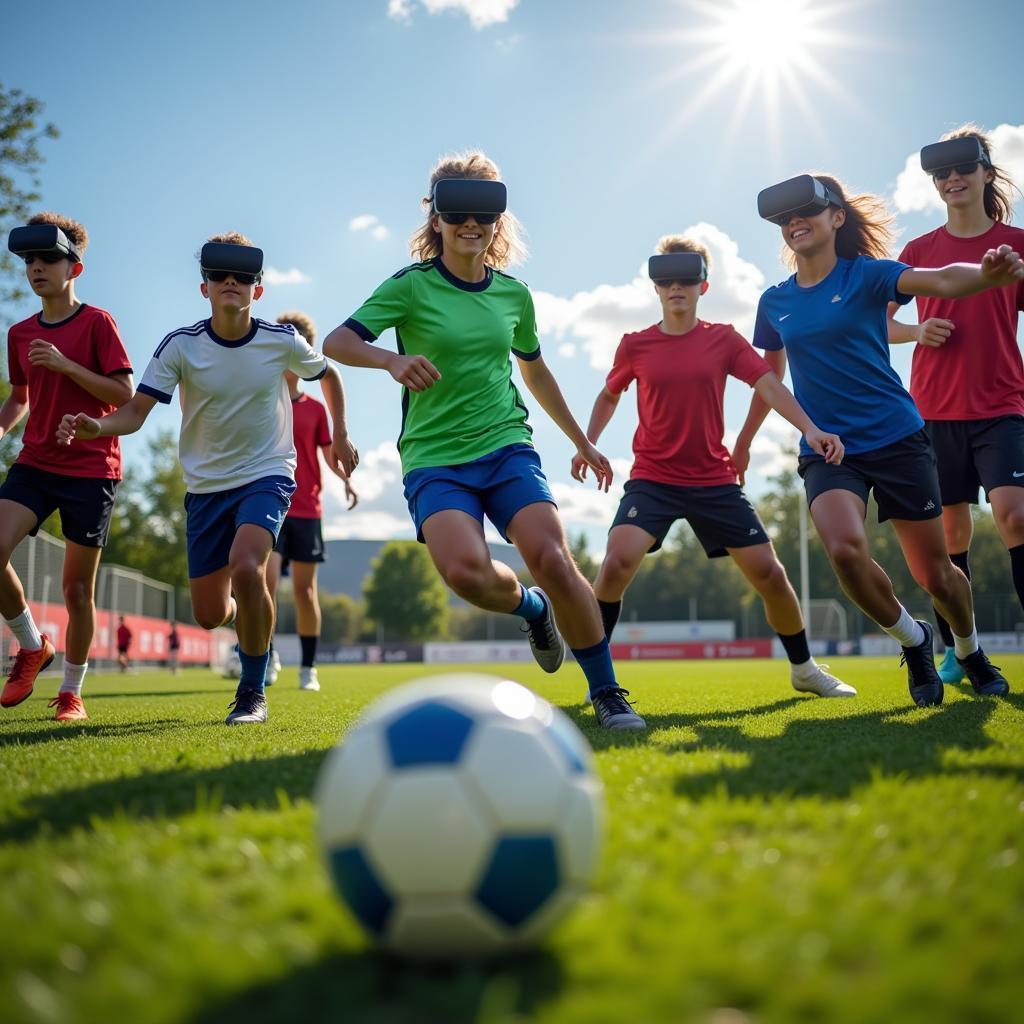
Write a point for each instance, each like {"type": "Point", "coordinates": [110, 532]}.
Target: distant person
{"type": "Point", "coordinates": [300, 544]}
{"type": "Point", "coordinates": [124, 645]}
{"type": "Point", "coordinates": [173, 646]}
{"type": "Point", "coordinates": [682, 469]}
{"type": "Point", "coordinates": [69, 355]}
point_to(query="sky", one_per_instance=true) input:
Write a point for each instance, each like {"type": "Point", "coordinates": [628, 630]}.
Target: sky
{"type": "Point", "coordinates": [312, 128]}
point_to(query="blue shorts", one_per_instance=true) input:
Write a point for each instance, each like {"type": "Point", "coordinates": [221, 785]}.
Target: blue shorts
{"type": "Point", "coordinates": [212, 520]}
{"type": "Point", "coordinates": [497, 485]}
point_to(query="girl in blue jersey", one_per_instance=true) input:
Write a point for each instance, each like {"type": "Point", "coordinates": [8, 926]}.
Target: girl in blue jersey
{"type": "Point", "coordinates": [829, 317]}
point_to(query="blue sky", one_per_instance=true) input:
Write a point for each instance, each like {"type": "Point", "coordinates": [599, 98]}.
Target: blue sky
{"type": "Point", "coordinates": [291, 122]}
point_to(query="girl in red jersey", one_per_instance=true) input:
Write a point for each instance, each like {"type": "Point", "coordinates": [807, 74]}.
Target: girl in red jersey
{"type": "Point", "coordinates": [967, 375]}
{"type": "Point", "coordinates": [683, 471]}
{"type": "Point", "coordinates": [68, 355]}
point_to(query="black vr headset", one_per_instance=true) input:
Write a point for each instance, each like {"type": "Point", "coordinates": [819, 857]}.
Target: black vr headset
{"type": "Point", "coordinates": [802, 196]}
{"type": "Point", "coordinates": [455, 199]}
{"type": "Point", "coordinates": [44, 240]}
{"type": "Point", "coordinates": [219, 260]}
{"type": "Point", "coordinates": [962, 154]}
{"type": "Point", "coordinates": [687, 267]}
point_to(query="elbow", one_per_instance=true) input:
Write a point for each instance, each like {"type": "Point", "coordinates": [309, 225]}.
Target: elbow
{"type": "Point", "coordinates": [124, 396]}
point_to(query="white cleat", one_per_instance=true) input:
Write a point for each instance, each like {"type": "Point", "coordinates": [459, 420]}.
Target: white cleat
{"type": "Point", "coordinates": [273, 668]}
{"type": "Point", "coordinates": [308, 679]}
{"type": "Point", "coordinates": [821, 683]}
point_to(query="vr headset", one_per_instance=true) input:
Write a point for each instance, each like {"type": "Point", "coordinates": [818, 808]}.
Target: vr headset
{"type": "Point", "coordinates": [44, 240]}
{"type": "Point", "coordinates": [802, 196]}
{"type": "Point", "coordinates": [688, 267]}
{"type": "Point", "coordinates": [219, 260]}
{"type": "Point", "coordinates": [962, 154]}
{"type": "Point", "coordinates": [455, 199]}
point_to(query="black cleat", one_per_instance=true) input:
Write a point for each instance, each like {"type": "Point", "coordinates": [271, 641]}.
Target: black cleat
{"type": "Point", "coordinates": [985, 677]}
{"type": "Point", "coordinates": [922, 675]}
{"type": "Point", "coordinates": [614, 711]}
{"type": "Point", "coordinates": [546, 642]}
{"type": "Point", "coordinates": [248, 708]}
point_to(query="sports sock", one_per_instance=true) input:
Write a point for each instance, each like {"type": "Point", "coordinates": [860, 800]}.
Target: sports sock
{"type": "Point", "coordinates": [961, 560]}
{"type": "Point", "coordinates": [796, 647]}
{"type": "Point", "coordinates": [905, 630]}
{"type": "Point", "coordinates": [73, 676]}
{"type": "Point", "coordinates": [596, 662]}
{"type": "Point", "coordinates": [531, 605]}
{"type": "Point", "coordinates": [966, 645]}
{"type": "Point", "coordinates": [25, 631]}
{"type": "Point", "coordinates": [610, 612]}
{"type": "Point", "coordinates": [254, 670]}
{"type": "Point", "coordinates": [1017, 567]}
{"type": "Point", "coordinates": [308, 650]}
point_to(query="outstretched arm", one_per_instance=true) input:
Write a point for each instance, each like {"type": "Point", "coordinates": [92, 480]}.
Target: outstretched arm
{"type": "Point", "coordinates": [417, 373]}
{"type": "Point", "coordinates": [126, 420]}
{"type": "Point", "coordinates": [772, 391]}
{"type": "Point", "coordinates": [999, 268]}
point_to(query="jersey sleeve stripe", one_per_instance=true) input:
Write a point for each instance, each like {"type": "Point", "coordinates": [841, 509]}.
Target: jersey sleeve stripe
{"type": "Point", "coordinates": [195, 330]}
{"type": "Point", "coordinates": [528, 356]}
{"type": "Point", "coordinates": [364, 332]}
{"type": "Point", "coordinates": [160, 396]}
{"type": "Point", "coordinates": [119, 370]}
{"type": "Point", "coordinates": [322, 373]}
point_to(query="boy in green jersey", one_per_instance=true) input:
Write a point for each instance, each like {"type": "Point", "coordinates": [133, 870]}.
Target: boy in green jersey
{"type": "Point", "coordinates": [466, 444]}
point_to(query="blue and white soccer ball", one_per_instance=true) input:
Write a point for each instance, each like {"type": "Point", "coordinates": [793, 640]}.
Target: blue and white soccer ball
{"type": "Point", "coordinates": [460, 816]}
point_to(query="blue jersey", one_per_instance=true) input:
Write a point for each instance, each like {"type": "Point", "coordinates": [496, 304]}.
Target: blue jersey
{"type": "Point", "coordinates": [836, 337]}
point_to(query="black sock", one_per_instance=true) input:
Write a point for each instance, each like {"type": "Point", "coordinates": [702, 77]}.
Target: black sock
{"type": "Point", "coordinates": [960, 560]}
{"type": "Point", "coordinates": [610, 612]}
{"type": "Point", "coordinates": [1017, 567]}
{"type": "Point", "coordinates": [308, 650]}
{"type": "Point", "coordinates": [796, 647]}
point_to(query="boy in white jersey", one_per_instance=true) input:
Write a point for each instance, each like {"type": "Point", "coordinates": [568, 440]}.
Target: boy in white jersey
{"type": "Point", "coordinates": [235, 448]}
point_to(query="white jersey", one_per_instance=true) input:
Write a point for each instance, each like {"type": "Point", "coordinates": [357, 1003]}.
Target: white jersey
{"type": "Point", "coordinates": [236, 413]}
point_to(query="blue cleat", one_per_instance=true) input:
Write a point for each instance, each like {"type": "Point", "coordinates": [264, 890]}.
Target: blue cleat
{"type": "Point", "coordinates": [949, 669]}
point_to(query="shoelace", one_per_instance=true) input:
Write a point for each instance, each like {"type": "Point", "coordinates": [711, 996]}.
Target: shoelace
{"type": "Point", "coordinates": [982, 662]}
{"type": "Point", "coordinates": [540, 632]}
{"type": "Point", "coordinates": [246, 701]}
{"type": "Point", "coordinates": [615, 700]}
{"type": "Point", "coordinates": [63, 699]}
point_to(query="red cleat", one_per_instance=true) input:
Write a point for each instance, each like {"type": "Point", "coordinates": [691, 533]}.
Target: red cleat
{"type": "Point", "coordinates": [69, 707]}
{"type": "Point", "coordinates": [27, 665]}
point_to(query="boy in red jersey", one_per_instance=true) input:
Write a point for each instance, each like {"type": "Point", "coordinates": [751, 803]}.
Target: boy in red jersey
{"type": "Point", "coordinates": [683, 471]}
{"type": "Point", "coordinates": [68, 355]}
{"type": "Point", "coordinates": [967, 375]}
{"type": "Point", "coordinates": [300, 544]}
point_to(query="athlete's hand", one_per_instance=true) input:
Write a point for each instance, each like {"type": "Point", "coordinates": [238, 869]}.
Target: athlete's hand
{"type": "Point", "coordinates": [588, 455]}
{"type": "Point", "coordinates": [350, 494]}
{"type": "Point", "coordinates": [85, 428]}
{"type": "Point", "coordinates": [344, 451]}
{"type": "Point", "coordinates": [935, 333]}
{"type": "Point", "coordinates": [417, 373]}
{"type": "Point", "coordinates": [42, 353]}
{"type": "Point", "coordinates": [1001, 267]}
{"type": "Point", "coordinates": [741, 460]}
{"type": "Point", "coordinates": [827, 445]}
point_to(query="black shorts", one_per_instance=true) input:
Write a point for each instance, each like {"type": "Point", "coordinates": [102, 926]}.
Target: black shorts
{"type": "Point", "coordinates": [977, 453]}
{"type": "Point", "coordinates": [721, 516]}
{"type": "Point", "coordinates": [300, 540]}
{"type": "Point", "coordinates": [85, 503]}
{"type": "Point", "coordinates": [903, 475]}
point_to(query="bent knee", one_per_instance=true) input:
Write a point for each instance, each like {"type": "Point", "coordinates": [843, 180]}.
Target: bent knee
{"type": "Point", "coordinates": [938, 578]}
{"type": "Point", "coordinates": [468, 579]}
{"type": "Point", "coordinates": [848, 554]}
{"type": "Point", "coordinates": [207, 619]}
{"type": "Point", "coordinates": [770, 578]}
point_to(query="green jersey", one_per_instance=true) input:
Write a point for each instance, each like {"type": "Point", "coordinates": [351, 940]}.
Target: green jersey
{"type": "Point", "coordinates": [467, 331]}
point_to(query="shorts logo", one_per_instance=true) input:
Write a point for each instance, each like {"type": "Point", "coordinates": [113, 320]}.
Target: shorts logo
{"type": "Point", "coordinates": [837, 298]}
{"type": "Point", "coordinates": [632, 513]}
{"type": "Point", "coordinates": [753, 531]}
{"type": "Point", "coordinates": [783, 317]}
{"type": "Point", "coordinates": [929, 506]}
{"type": "Point", "coordinates": [273, 519]}
{"type": "Point", "coordinates": [1016, 475]}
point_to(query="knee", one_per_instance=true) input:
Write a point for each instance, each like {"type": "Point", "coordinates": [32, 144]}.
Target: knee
{"type": "Point", "coordinates": [467, 578]}
{"type": "Point", "coordinates": [847, 554]}
{"type": "Point", "coordinates": [770, 578]}
{"type": "Point", "coordinates": [247, 572]}
{"type": "Point", "coordinates": [207, 619]}
{"type": "Point", "coordinates": [1011, 522]}
{"type": "Point", "coordinates": [77, 595]}
{"type": "Point", "coordinates": [306, 596]}
{"type": "Point", "coordinates": [552, 565]}
{"type": "Point", "coordinates": [938, 578]}
{"type": "Point", "coordinates": [617, 568]}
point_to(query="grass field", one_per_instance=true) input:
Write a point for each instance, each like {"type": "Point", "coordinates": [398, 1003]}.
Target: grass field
{"type": "Point", "coordinates": [796, 860]}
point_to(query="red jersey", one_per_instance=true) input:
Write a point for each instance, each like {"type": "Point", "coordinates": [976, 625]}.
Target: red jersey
{"type": "Point", "coordinates": [124, 637]}
{"type": "Point", "coordinates": [311, 432]}
{"type": "Point", "coordinates": [680, 391]}
{"type": "Point", "coordinates": [978, 373]}
{"type": "Point", "coordinates": [88, 337]}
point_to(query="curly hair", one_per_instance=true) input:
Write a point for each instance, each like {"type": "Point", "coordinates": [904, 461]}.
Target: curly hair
{"type": "Point", "coordinates": [680, 243]}
{"type": "Point", "coordinates": [231, 238]}
{"type": "Point", "coordinates": [303, 323]}
{"type": "Point", "coordinates": [507, 247]}
{"type": "Point", "coordinates": [77, 235]}
{"type": "Point", "coordinates": [999, 191]}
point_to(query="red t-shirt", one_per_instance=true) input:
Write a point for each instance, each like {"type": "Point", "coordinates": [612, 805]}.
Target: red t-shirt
{"type": "Point", "coordinates": [978, 372]}
{"type": "Point", "coordinates": [311, 431]}
{"type": "Point", "coordinates": [88, 337]}
{"type": "Point", "coordinates": [680, 390]}
{"type": "Point", "coordinates": [124, 637]}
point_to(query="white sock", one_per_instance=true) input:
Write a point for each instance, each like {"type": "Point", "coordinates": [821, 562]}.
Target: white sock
{"type": "Point", "coordinates": [804, 669]}
{"type": "Point", "coordinates": [905, 630]}
{"type": "Point", "coordinates": [966, 645]}
{"type": "Point", "coordinates": [73, 676]}
{"type": "Point", "coordinates": [25, 631]}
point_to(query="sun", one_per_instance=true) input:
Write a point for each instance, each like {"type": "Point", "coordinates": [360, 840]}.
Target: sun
{"type": "Point", "coordinates": [762, 38]}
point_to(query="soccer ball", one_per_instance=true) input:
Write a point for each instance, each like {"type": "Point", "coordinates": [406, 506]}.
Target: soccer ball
{"type": "Point", "coordinates": [461, 816]}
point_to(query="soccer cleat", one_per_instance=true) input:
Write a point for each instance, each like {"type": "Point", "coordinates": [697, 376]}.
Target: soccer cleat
{"type": "Point", "coordinates": [614, 711]}
{"type": "Point", "coordinates": [985, 677]}
{"type": "Point", "coordinates": [27, 665]}
{"type": "Point", "coordinates": [69, 707]}
{"type": "Point", "coordinates": [822, 683]}
{"type": "Point", "coordinates": [922, 676]}
{"type": "Point", "coordinates": [248, 708]}
{"type": "Point", "coordinates": [545, 641]}
{"type": "Point", "coordinates": [308, 679]}
{"type": "Point", "coordinates": [949, 669]}
{"type": "Point", "coordinates": [273, 667]}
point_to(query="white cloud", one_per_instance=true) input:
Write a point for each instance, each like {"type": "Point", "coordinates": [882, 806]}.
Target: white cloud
{"type": "Point", "coordinates": [481, 13]}
{"type": "Point", "coordinates": [915, 192]}
{"type": "Point", "coordinates": [584, 505]}
{"type": "Point", "coordinates": [370, 222]}
{"type": "Point", "coordinates": [381, 512]}
{"type": "Point", "coordinates": [273, 276]}
{"type": "Point", "coordinates": [597, 319]}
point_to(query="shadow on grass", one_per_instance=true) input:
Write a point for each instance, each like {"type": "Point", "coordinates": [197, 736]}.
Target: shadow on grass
{"type": "Point", "coordinates": [48, 731]}
{"type": "Point", "coordinates": [370, 988]}
{"type": "Point", "coordinates": [215, 687]}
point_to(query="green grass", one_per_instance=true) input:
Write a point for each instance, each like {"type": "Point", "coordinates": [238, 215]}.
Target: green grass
{"type": "Point", "coordinates": [798, 860]}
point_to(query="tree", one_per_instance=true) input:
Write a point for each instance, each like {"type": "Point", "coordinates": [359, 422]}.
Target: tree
{"type": "Point", "coordinates": [404, 595]}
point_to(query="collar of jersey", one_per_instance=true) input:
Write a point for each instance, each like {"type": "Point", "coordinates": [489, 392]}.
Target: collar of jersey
{"type": "Point", "coordinates": [238, 342]}
{"type": "Point", "coordinates": [58, 323]}
{"type": "Point", "coordinates": [466, 286]}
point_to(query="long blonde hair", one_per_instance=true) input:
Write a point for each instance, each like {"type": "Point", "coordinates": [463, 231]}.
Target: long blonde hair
{"type": "Point", "coordinates": [999, 191]}
{"type": "Point", "coordinates": [507, 247]}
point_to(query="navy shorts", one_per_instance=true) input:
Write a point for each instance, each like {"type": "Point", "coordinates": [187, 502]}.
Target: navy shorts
{"type": "Point", "coordinates": [497, 486]}
{"type": "Point", "coordinates": [721, 516]}
{"type": "Point", "coordinates": [300, 540]}
{"type": "Point", "coordinates": [977, 453]}
{"type": "Point", "coordinates": [903, 475]}
{"type": "Point", "coordinates": [212, 520]}
{"type": "Point", "coordinates": [85, 503]}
